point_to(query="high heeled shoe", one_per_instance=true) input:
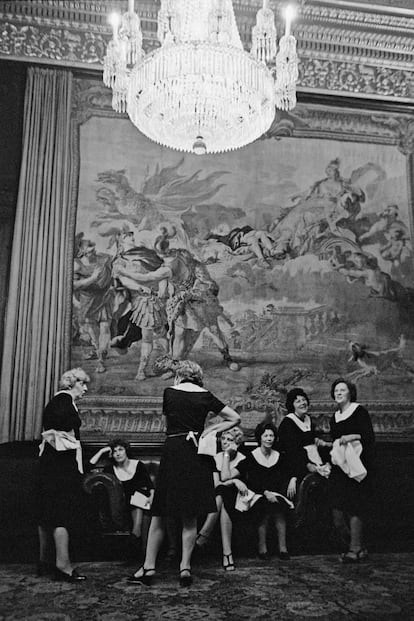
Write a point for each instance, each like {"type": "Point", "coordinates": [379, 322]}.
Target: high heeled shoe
{"type": "Point", "coordinates": [264, 556]}
{"type": "Point", "coordinates": [351, 557]}
{"type": "Point", "coordinates": [284, 556]}
{"type": "Point", "coordinates": [62, 576]}
{"type": "Point", "coordinates": [187, 580]}
{"type": "Point", "coordinates": [145, 577]}
{"type": "Point", "coordinates": [228, 564]}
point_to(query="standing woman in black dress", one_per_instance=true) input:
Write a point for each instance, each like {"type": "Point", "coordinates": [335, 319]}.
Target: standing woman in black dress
{"type": "Point", "coordinates": [60, 475]}
{"type": "Point", "coordinates": [350, 498]}
{"type": "Point", "coordinates": [185, 486]}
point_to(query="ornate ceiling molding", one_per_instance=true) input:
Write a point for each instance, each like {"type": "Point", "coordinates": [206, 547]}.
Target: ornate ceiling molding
{"type": "Point", "coordinates": [345, 48]}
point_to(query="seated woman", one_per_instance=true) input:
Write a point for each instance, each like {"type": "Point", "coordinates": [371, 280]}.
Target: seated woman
{"type": "Point", "coordinates": [134, 477]}
{"type": "Point", "coordinates": [265, 471]}
{"type": "Point", "coordinates": [227, 485]}
{"type": "Point", "coordinates": [298, 441]}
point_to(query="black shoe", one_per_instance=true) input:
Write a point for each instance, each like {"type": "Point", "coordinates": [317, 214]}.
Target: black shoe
{"type": "Point", "coordinates": [187, 580]}
{"type": "Point", "coordinates": [284, 556]}
{"type": "Point", "coordinates": [228, 564]}
{"type": "Point", "coordinates": [143, 579]}
{"type": "Point", "coordinates": [264, 556]}
{"type": "Point", "coordinates": [45, 569]}
{"type": "Point", "coordinates": [349, 558]}
{"type": "Point", "coordinates": [62, 576]}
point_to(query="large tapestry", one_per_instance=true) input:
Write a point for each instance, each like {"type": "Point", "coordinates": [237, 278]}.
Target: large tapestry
{"type": "Point", "coordinates": [288, 262]}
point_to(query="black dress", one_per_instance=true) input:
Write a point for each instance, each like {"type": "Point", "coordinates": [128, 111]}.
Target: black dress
{"type": "Point", "coordinates": [292, 440]}
{"type": "Point", "coordinates": [139, 482]}
{"type": "Point", "coordinates": [59, 477]}
{"type": "Point", "coordinates": [260, 478]}
{"type": "Point", "coordinates": [228, 492]}
{"type": "Point", "coordinates": [348, 495]}
{"type": "Point", "coordinates": [185, 485]}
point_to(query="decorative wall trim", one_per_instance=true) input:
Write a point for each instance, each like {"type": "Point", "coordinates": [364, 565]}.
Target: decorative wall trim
{"type": "Point", "coordinates": [140, 420]}
{"type": "Point", "coordinates": [344, 48]}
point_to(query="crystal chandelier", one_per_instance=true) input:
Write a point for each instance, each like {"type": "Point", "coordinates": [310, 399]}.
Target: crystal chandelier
{"type": "Point", "coordinates": [200, 91]}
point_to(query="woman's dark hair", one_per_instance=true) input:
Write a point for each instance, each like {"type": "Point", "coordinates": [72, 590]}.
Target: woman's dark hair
{"type": "Point", "coordinates": [261, 428]}
{"type": "Point", "coordinates": [120, 442]}
{"type": "Point", "coordinates": [291, 396]}
{"type": "Point", "coordinates": [351, 387]}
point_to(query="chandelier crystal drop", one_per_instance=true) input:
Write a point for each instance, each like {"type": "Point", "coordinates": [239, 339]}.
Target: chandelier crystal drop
{"type": "Point", "coordinates": [200, 91]}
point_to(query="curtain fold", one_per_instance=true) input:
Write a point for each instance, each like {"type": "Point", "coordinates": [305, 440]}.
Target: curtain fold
{"type": "Point", "coordinates": [34, 342]}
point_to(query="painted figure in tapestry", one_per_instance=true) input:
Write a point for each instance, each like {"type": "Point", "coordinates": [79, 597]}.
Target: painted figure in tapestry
{"type": "Point", "coordinates": [254, 289]}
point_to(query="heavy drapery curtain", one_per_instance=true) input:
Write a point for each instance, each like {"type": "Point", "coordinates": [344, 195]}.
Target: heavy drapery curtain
{"type": "Point", "coordinates": [33, 354]}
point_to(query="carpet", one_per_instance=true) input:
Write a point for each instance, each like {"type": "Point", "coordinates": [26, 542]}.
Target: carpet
{"type": "Point", "coordinates": [306, 587]}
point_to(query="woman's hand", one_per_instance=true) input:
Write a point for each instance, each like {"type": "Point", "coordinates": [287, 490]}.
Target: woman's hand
{"type": "Point", "coordinates": [322, 443]}
{"type": "Point", "coordinates": [231, 451]}
{"type": "Point", "coordinates": [291, 490]}
{"type": "Point", "coordinates": [95, 458]}
{"type": "Point", "coordinates": [270, 496]}
{"type": "Point", "coordinates": [241, 487]}
{"type": "Point", "coordinates": [349, 438]}
{"type": "Point", "coordinates": [311, 467]}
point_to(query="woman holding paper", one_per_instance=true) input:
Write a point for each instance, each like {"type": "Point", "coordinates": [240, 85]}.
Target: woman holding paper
{"type": "Point", "coordinates": [266, 471]}
{"type": "Point", "coordinates": [135, 480]}
{"type": "Point", "coordinates": [184, 487]}
{"type": "Point", "coordinates": [60, 471]}
{"type": "Point", "coordinates": [351, 425]}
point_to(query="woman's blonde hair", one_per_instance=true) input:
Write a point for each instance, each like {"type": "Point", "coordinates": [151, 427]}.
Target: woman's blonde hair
{"type": "Point", "coordinates": [69, 378]}
{"type": "Point", "coordinates": [235, 434]}
{"type": "Point", "coordinates": [188, 371]}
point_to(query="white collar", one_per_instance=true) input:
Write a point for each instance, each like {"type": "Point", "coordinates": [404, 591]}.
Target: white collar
{"type": "Point", "coordinates": [189, 387]}
{"type": "Point", "coordinates": [66, 392]}
{"type": "Point", "coordinates": [233, 462]}
{"type": "Point", "coordinates": [340, 416]}
{"type": "Point", "coordinates": [304, 425]}
{"type": "Point", "coordinates": [263, 461]}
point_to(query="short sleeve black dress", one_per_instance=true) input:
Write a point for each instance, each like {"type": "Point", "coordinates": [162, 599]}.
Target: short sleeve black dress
{"type": "Point", "coordinates": [293, 438]}
{"type": "Point", "coordinates": [59, 477]}
{"type": "Point", "coordinates": [272, 477]}
{"type": "Point", "coordinates": [348, 495]}
{"type": "Point", "coordinates": [228, 492]}
{"type": "Point", "coordinates": [185, 485]}
{"type": "Point", "coordinates": [139, 482]}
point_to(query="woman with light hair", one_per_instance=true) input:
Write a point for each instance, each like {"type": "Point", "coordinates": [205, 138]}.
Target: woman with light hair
{"type": "Point", "coordinates": [227, 486]}
{"type": "Point", "coordinates": [185, 487]}
{"type": "Point", "coordinates": [60, 475]}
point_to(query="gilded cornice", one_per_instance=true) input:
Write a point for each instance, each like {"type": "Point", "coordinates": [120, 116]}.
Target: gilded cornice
{"type": "Point", "coordinates": [345, 48]}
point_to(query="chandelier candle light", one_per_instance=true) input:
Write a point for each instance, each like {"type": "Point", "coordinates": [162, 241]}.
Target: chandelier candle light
{"type": "Point", "coordinates": [200, 91]}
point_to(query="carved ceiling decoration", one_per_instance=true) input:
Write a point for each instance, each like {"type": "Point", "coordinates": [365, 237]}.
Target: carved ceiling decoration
{"type": "Point", "coordinates": [345, 47]}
